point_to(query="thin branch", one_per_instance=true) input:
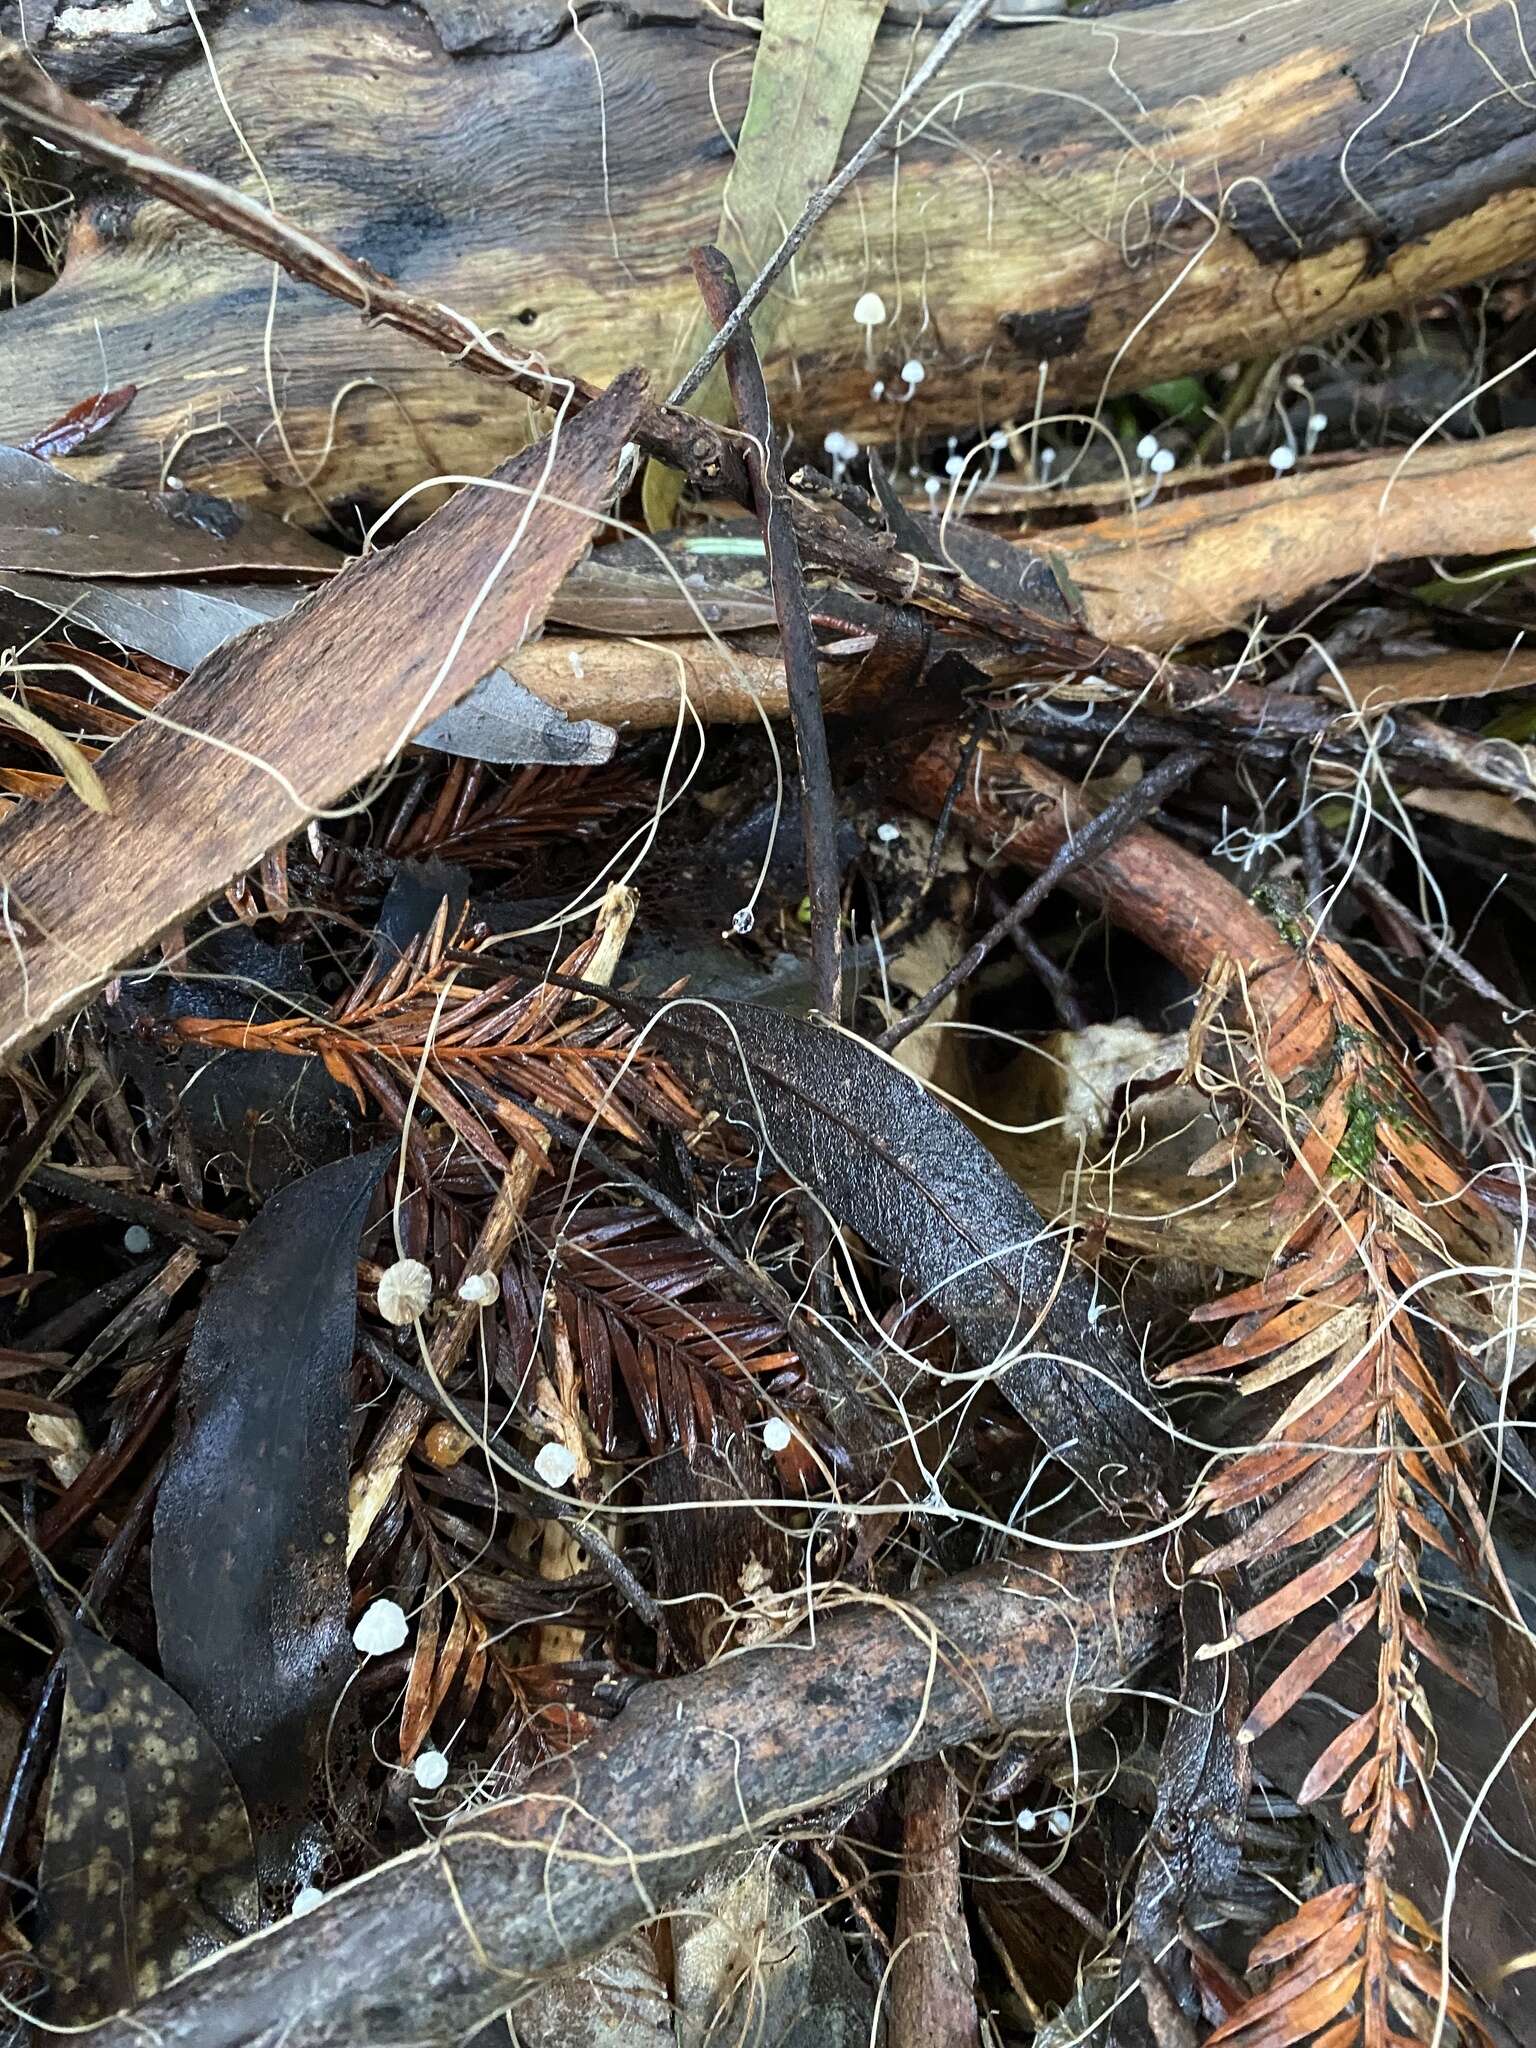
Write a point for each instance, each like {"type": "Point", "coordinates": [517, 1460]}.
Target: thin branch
{"type": "Point", "coordinates": [770, 492]}
{"type": "Point", "coordinates": [1096, 838]}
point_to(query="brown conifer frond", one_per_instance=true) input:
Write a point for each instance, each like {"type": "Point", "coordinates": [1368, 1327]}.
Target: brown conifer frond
{"type": "Point", "coordinates": [645, 1307]}
{"type": "Point", "coordinates": [1365, 1456]}
{"type": "Point", "coordinates": [475, 1043]}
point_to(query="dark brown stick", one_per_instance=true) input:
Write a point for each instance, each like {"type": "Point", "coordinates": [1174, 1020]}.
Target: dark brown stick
{"type": "Point", "coordinates": [1078, 851]}
{"type": "Point", "coordinates": [933, 1973]}
{"type": "Point", "coordinates": [440, 1940]}
{"type": "Point", "coordinates": [162, 1219]}
{"type": "Point", "coordinates": [1016, 1862]}
{"type": "Point", "coordinates": [770, 495]}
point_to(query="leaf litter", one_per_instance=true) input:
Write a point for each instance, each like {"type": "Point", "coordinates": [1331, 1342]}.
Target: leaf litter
{"type": "Point", "coordinates": [752, 1427]}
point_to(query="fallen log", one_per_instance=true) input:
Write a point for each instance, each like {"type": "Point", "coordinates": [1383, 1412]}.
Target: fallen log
{"type": "Point", "coordinates": [439, 1941]}
{"type": "Point", "coordinates": [1181, 192]}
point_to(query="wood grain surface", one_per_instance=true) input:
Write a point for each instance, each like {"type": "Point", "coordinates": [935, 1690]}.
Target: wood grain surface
{"type": "Point", "coordinates": [1168, 189]}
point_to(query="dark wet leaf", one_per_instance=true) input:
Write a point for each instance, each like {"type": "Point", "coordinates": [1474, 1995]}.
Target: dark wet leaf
{"type": "Point", "coordinates": [147, 1857]}
{"type": "Point", "coordinates": [415, 895]}
{"type": "Point", "coordinates": [249, 1554]}
{"type": "Point", "coordinates": [248, 1120]}
{"type": "Point", "coordinates": [907, 1175]}
{"type": "Point", "coordinates": [82, 423]}
{"type": "Point", "coordinates": [57, 526]}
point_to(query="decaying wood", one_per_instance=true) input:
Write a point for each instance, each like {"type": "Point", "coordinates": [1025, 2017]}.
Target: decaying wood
{"type": "Point", "coordinates": [1116, 210]}
{"type": "Point", "coordinates": [440, 1940]}
{"type": "Point", "coordinates": [275, 726]}
{"type": "Point", "coordinates": [1199, 565]}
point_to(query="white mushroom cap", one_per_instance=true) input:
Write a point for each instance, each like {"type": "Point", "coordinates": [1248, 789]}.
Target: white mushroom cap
{"type": "Point", "coordinates": [405, 1292]}
{"type": "Point", "coordinates": [869, 310]}
{"type": "Point", "coordinates": [555, 1465]}
{"type": "Point", "coordinates": [381, 1628]}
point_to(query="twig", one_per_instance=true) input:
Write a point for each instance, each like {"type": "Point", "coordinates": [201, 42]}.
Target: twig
{"type": "Point", "coordinates": [1057, 984]}
{"type": "Point", "coordinates": [32, 1148]}
{"type": "Point", "coordinates": [770, 492]}
{"type": "Point", "coordinates": [1365, 884]}
{"type": "Point", "coordinates": [821, 203]}
{"type": "Point", "coordinates": [1019, 1864]}
{"type": "Point", "coordinates": [148, 1211]}
{"type": "Point", "coordinates": [146, 1311]}
{"type": "Point", "coordinates": [1096, 838]}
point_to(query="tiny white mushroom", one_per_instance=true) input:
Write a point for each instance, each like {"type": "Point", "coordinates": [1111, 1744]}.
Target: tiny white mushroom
{"type": "Point", "coordinates": [954, 465]}
{"type": "Point", "coordinates": [913, 373]}
{"type": "Point", "coordinates": [306, 1899]}
{"type": "Point", "coordinates": [480, 1289]}
{"type": "Point", "coordinates": [869, 313]}
{"type": "Point", "coordinates": [1147, 447]}
{"type": "Point", "coordinates": [136, 1240]}
{"type": "Point", "coordinates": [932, 486]}
{"type": "Point", "coordinates": [555, 1465]}
{"type": "Point", "coordinates": [1163, 461]}
{"type": "Point", "coordinates": [1059, 1821]}
{"type": "Point", "coordinates": [777, 1434]}
{"type": "Point", "coordinates": [405, 1292]}
{"type": "Point", "coordinates": [430, 1770]}
{"type": "Point", "coordinates": [1282, 458]}
{"type": "Point", "coordinates": [877, 389]}
{"type": "Point", "coordinates": [380, 1629]}
{"type": "Point", "coordinates": [887, 833]}
{"type": "Point", "coordinates": [842, 448]}
{"type": "Point", "coordinates": [743, 922]}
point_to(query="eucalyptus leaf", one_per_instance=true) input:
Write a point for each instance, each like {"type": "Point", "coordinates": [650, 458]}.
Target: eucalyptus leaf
{"type": "Point", "coordinates": [248, 1562]}
{"type": "Point", "coordinates": [147, 1858]}
{"type": "Point", "coordinates": [906, 1174]}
